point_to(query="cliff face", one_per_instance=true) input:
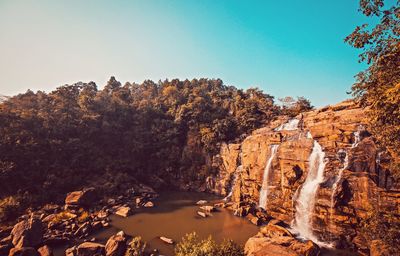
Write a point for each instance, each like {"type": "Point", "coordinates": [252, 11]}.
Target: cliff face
{"type": "Point", "coordinates": [321, 172]}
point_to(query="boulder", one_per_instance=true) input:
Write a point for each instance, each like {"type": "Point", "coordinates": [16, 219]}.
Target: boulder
{"type": "Point", "coordinates": [85, 197]}
{"type": "Point", "coordinates": [123, 211]}
{"type": "Point", "coordinates": [70, 251]}
{"type": "Point", "coordinates": [202, 214]}
{"type": "Point", "coordinates": [45, 251]}
{"type": "Point", "coordinates": [149, 204]}
{"type": "Point", "coordinates": [280, 245]}
{"type": "Point", "coordinates": [27, 233]}
{"type": "Point", "coordinates": [116, 245]}
{"type": "Point", "coordinates": [208, 208]}
{"type": "Point", "coordinates": [23, 251]}
{"type": "Point", "coordinates": [200, 202]}
{"type": "Point", "coordinates": [166, 240]}
{"type": "Point", "coordinates": [90, 249]}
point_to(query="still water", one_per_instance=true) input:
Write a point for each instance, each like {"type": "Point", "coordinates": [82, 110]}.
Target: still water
{"type": "Point", "coordinates": [173, 216]}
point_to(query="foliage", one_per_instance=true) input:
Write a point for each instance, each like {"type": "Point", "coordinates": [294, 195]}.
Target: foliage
{"type": "Point", "coordinates": [381, 226]}
{"type": "Point", "coordinates": [378, 87]}
{"type": "Point", "coordinates": [191, 245]}
{"type": "Point", "coordinates": [77, 133]}
{"type": "Point", "coordinates": [136, 247]}
{"type": "Point", "coordinates": [9, 207]}
{"type": "Point", "coordinates": [292, 107]}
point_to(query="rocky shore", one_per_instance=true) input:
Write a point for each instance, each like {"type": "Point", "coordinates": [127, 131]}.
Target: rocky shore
{"type": "Point", "coordinates": [72, 224]}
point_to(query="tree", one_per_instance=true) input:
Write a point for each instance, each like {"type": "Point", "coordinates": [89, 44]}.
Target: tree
{"type": "Point", "coordinates": [378, 87]}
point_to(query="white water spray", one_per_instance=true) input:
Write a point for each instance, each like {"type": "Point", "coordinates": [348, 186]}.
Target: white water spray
{"type": "Point", "coordinates": [264, 188]}
{"type": "Point", "coordinates": [291, 125]}
{"type": "Point", "coordinates": [235, 177]}
{"type": "Point", "coordinates": [306, 200]}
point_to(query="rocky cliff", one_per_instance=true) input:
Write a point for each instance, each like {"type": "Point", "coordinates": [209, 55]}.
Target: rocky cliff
{"type": "Point", "coordinates": [321, 173]}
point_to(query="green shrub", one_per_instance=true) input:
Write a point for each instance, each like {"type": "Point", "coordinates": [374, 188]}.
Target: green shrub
{"type": "Point", "coordinates": [191, 245]}
{"type": "Point", "coordinates": [136, 247]}
{"type": "Point", "coordinates": [9, 208]}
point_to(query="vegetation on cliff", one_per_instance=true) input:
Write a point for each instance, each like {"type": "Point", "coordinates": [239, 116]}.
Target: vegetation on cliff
{"type": "Point", "coordinates": [59, 140]}
{"type": "Point", "coordinates": [379, 85]}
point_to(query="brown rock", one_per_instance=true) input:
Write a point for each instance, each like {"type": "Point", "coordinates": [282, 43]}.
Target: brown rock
{"type": "Point", "coordinates": [27, 233]}
{"type": "Point", "coordinates": [116, 245]}
{"type": "Point", "coordinates": [90, 249]}
{"type": "Point", "coordinates": [45, 251]}
{"type": "Point", "coordinates": [123, 211]}
{"type": "Point", "coordinates": [24, 251]}
{"type": "Point", "coordinates": [84, 197]}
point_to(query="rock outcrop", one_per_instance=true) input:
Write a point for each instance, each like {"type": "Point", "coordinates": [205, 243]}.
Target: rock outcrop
{"type": "Point", "coordinates": [27, 233]}
{"type": "Point", "coordinates": [84, 197]}
{"type": "Point", "coordinates": [355, 180]}
{"type": "Point", "coordinates": [116, 245]}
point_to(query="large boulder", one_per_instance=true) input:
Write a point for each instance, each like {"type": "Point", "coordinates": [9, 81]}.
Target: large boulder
{"type": "Point", "coordinates": [45, 251]}
{"type": "Point", "coordinates": [90, 249]}
{"type": "Point", "coordinates": [116, 244]}
{"type": "Point", "coordinates": [24, 251]}
{"type": "Point", "coordinates": [84, 197]}
{"type": "Point", "coordinates": [280, 245]}
{"type": "Point", "coordinates": [27, 233]}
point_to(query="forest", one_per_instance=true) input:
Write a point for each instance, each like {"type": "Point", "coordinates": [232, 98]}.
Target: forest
{"type": "Point", "coordinates": [77, 133]}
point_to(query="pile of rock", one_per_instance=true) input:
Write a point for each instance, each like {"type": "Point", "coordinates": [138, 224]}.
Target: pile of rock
{"type": "Point", "coordinates": [274, 239]}
{"type": "Point", "coordinates": [82, 214]}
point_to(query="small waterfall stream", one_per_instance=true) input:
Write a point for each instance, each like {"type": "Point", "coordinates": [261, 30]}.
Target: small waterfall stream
{"type": "Point", "coordinates": [235, 177]}
{"type": "Point", "coordinates": [291, 125]}
{"type": "Point", "coordinates": [305, 201]}
{"type": "Point", "coordinates": [264, 188]}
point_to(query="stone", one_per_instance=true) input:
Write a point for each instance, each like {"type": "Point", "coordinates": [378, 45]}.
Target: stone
{"type": "Point", "coordinates": [85, 197]}
{"type": "Point", "coordinates": [123, 211]}
{"type": "Point", "coordinates": [208, 208]}
{"type": "Point", "coordinates": [90, 249]}
{"type": "Point", "coordinates": [116, 244]}
{"type": "Point", "coordinates": [23, 251]}
{"type": "Point", "coordinates": [70, 251]}
{"type": "Point", "coordinates": [280, 245]}
{"type": "Point", "coordinates": [45, 251]}
{"type": "Point", "coordinates": [202, 214]}
{"type": "Point", "coordinates": [200, 202]}
{"type": "Point", "coordinates": [166, 240]}
{"type": "Point", "coordinates": [149, 204]}
{"type": "Point", "coordinates": [27, 233]}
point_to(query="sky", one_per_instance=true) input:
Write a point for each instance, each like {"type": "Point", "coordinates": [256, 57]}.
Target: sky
{"type": "Point", "coordinates": [286, 48]}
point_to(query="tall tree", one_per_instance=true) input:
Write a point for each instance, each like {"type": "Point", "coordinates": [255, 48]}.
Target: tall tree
{"type": "Point", "coordinates": [378, 87]}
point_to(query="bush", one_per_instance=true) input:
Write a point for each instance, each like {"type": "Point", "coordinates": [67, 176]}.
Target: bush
{"type": "Point", "coordinates": [9, 208]}
{"type": "Point", "coordinates": [136, 247]}
{"type": "Point", "coordinates": [192, 246]}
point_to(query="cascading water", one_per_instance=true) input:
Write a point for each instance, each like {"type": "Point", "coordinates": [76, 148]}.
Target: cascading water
{"type": "Point", "coordinates": [306, 199]}
{"type": "Point", "coordinates": [291, 125]}
{"type": "Point", "coordinates": [264, 188]}
{"type": "Point", "coordinates": [235, 177]}
{"type": "Point", "coordinates": [357, 139]}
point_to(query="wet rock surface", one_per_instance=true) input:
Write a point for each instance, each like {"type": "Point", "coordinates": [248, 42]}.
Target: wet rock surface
{"type": "Point", "coordinates": [355, 180]}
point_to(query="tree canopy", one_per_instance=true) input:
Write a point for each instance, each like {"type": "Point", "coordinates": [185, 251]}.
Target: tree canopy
{"type": "Point", "coordinates": [378, 87]}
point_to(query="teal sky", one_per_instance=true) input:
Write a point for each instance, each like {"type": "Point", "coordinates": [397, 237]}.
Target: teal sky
{"type": "Point", "coordinates": [286, 48]}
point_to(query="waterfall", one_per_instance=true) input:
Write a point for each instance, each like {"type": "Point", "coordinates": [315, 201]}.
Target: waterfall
{"type": "Point", "coordinates": [264, 188]}
{"type": "Point", "coordinates": [291, 125]}
{"type": "Point", "coordinates": [357, 139]}
{"type": "Point", "coordinates": [235, 177]}
{"type": "Point", "coordinates": [305, 201]}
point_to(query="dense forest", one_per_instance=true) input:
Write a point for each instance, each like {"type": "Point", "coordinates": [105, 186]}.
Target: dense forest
{"type": "Point", "coordinates": [77, 134]}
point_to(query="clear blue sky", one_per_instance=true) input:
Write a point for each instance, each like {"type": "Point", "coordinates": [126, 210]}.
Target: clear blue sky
{"type": "Point", "coordinates": [284, 47]}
